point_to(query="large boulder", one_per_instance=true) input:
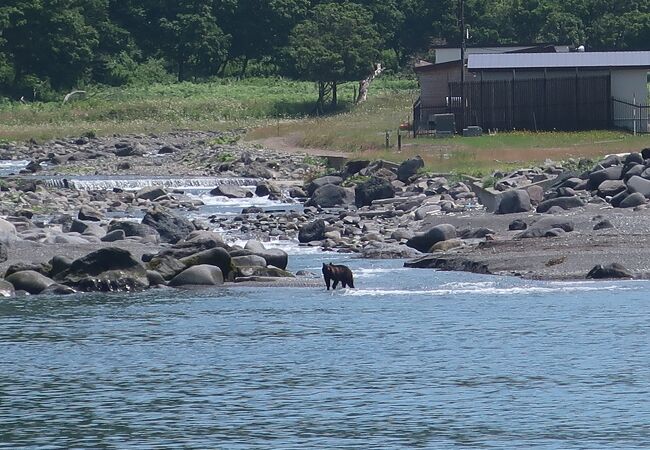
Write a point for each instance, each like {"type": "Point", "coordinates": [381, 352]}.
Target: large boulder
{"type": "Point", "coordinates": [423, 241]}
{"type": "Point", "coordinates": [610, 188]}
{"type": "Point", "coordinates": [29, 281]}
{"type": "Point", "coordinates": [312, 231]}
{"type": "Point", "coordinates": [513, 202]}
{"type": "Point", "coordinates": [373, 189]}
{"type": "Point", "coordinates": [562, 202]}
{"type": "Point", "coordinates": [213, 257]}
{"type": "Point", "coordinates": [136, 229]}
{"type": "Point", "coordinates": [249, 260]}
{"type": "Point", "coordinates": [167, 266]}
{"type": "Point", "coordinates": [640, 185]}
{"type": "Point", "coordinates": [409, 168]}
{"type": "Point", "coordinates": [329, 196]}
{"type": "Point", "coordinates": [231, 191]}
{"type": "Point", "coordinates": [89, 213]}
{"type": "Point", "coordinates": [609, 173]}
{"type": "Point", "coordinates": [542, 226]}
{"type": "Point", "coordinates": [106, 269]}
{"type": "Point", "coordinates": [171, 227]}
{"type": "Point", "coordinates": [614, 270]}
{"type": "Point", "coordinates": [150, 193]}
{"type": "Point", "coordinates": [633, 200]}
{"type": "Point", "coordinates": [311, 187]}
{"type": "Point", "coordinates": [273, 256]}
{"type": "Point", "coordinates": [199, 275]}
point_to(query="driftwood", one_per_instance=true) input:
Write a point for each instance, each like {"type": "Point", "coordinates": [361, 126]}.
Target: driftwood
{"type": "Point", "coordinates": [365, 84]}
{"type": "Point", "coordinates": [69, 95]}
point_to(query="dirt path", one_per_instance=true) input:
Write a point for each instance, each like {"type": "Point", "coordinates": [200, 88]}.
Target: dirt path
{"type": "Point", "coordinates": [288, 144]}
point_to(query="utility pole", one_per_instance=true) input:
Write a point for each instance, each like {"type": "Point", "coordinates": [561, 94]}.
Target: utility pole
{"type": "Point", "coordinates": [462, 62]}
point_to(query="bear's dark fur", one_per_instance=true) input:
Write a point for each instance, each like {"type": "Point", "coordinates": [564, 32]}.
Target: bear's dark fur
{"type": "Point", "coordinates": [337, 273]}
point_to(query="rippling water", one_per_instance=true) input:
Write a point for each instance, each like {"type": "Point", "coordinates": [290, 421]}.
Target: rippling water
{"type": "Point", "coordinates": [411, 359]}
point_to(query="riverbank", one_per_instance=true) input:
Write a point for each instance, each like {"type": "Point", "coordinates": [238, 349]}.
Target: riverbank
{"type": "Point", "coordinates": [164, 204]}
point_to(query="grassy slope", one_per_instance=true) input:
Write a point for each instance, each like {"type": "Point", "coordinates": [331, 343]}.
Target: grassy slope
{"type": "Point", "coordinates": [272, 107]}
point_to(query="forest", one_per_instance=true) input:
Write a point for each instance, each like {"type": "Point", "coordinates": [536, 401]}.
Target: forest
{"type": "Point", "coordinates": [51, 46]}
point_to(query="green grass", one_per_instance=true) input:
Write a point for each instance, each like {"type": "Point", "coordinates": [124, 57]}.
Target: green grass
{"type": "Point", "coordinates": [280, 108]}
{"type": "Point", "coordinates": [225, 104]}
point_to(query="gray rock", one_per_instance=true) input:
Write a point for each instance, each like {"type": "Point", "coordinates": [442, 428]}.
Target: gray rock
{"type": "Point", "coordinates": [425, 240]}
{"type": "Point", "coordinates": [89, 213]}
{"type": "Point", "coordinates": [545, 224]}
{"type": "Point", "coordinates": [249, 260]}
{"type": "Point", "coordinates": [198, 275]}
{"type": "Point", "coordinates": [610, 188]}
{"type": "Point", "coordinates": [640, 185]}
{"type": "Point", "coordinates": [562, 202]}
{"type": "Point", "coordinates": [425, 210]}
{"type": "Point", "coordinates": [614, 270]}
{"type": "Point", "coordinates": [230, 191]}
{"type": "Point", "coordinates": [633, 200]}
{"type": "Point", "coordinates": [58, 289]}
{"type": "Point", "coordinates": [59, 264]}
{"type": "Point", "coordinates": [517, 224]}
{"type": "Point", "coordinates": [131, 228]}
{"type": "Point", "coordinates": [213, 257]}
{"type": "Point", "coordinates": [609, 173]}
{"type": "Point", "coordinates": [373, 189]}
{"type": "Point", "coordinates": [513, 202]}
{"type": "Point", "coordinates": [29, 281]}
{"type": "Point", "coordinates": [322, 181]}
{"type": "Point", "coordinates": [167, 266]}
{"type": "Point", "coordinates": [409, 168]}
{"type": "Point", "coordinates": [106, 269]}
{"type": "Point", "coordinates": [6, 289]}
{"type": "Point", "coordinates": [380, 250]}
{"type": "Point", "coordinates": [155, 279]}
{"type": "Point", "coordinates": [312, 231]}
{"type": "Point", "coordinates": [115, 235]}
{"type": "Point", "coordinates": [150, 193]}
{"type": "Point", "coordinates": [603, 224]}
{"type": "Point", "coordinates": [171, 227]}
{"type": "Point", "coordinates": [330, 195]}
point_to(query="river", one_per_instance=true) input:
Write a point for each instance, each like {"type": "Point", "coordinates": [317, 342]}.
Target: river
{"type": "Point", "coordinates": [410, 359]}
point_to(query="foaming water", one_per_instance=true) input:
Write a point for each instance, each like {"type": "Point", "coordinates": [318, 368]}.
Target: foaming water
{"type": "Point", "coordinates": [439, 360]}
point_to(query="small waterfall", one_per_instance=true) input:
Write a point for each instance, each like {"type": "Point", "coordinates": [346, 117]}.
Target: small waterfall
{"type": "Point", "coordinates": [96, 183]}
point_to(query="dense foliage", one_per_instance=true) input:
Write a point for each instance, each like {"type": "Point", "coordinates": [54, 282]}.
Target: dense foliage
{"type": "Point", "coordinates": [53, 45]}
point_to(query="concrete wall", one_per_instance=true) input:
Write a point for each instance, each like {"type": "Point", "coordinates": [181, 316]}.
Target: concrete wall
{"type": "Point", "coordinates": [434, 85]}
{"type": "Point", "coordinates": [631, 85]}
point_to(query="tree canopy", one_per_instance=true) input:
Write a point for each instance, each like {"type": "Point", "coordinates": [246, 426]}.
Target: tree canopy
{"type": "Point", "coordinates": [53, 45]}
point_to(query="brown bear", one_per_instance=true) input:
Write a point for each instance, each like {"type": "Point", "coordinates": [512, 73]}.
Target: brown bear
{"type": "Point", "coordinates": [337, 273]}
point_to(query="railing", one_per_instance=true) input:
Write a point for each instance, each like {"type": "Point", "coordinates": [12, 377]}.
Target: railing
{"type": "Point", "coordinates": [423, 117]}
{"type": "Point", "coordinates": [631, 116]}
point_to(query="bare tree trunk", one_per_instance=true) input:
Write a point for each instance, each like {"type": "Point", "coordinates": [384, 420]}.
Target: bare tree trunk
{"type": "Point", "coordinates": [244, 67]}
{"type": "Point", "coordinates": [365, 84]}
{"type": "Point", "coordinates": [334, 98]}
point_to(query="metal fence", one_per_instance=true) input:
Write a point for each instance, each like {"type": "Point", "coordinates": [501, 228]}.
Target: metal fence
{"type": "Point", "coordinates": [568, 103]}
{"type": "Point", "coordinates": [631, 116]}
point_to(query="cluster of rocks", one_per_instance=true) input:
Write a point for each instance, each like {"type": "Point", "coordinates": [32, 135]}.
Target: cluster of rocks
{"type": "Point", "coordinates": [368, 208]}
{"type": "Point", "coordinates": [200, 259]}
{"type": "Point", "coordinates": [179, 153]}
{"type": "Point", "coordinates": [620, 181]}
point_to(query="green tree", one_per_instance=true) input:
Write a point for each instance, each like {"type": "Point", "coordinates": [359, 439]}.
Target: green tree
{"type": "Point", "coordinates": [194, 41]}
{"type": "Point", "coordinates": [260, 28]}
{"type": "Point", "coordinates": [336, 43]}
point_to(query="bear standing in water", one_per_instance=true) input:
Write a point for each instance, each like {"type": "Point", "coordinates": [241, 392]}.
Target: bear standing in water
{"type": "Point", "coordinates": [337, 273]}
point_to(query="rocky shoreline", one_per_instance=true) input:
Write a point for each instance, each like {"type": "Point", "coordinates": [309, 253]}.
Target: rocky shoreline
{"type": "Point", "coordinates": [550, 222]}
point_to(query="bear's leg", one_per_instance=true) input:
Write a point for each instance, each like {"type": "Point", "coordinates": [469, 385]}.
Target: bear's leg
{"type": "Point", "coordinates": [327, 282]}
{"type": "Point", "coordinates": [336, 281]}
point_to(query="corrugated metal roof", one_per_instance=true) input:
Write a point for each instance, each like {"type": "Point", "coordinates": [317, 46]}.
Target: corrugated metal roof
{"type": "Point", "coordinates": [555, 60]}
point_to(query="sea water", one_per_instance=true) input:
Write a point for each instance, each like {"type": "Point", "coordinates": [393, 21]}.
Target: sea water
{"type": "Point", "coordinates": [410, 359]}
